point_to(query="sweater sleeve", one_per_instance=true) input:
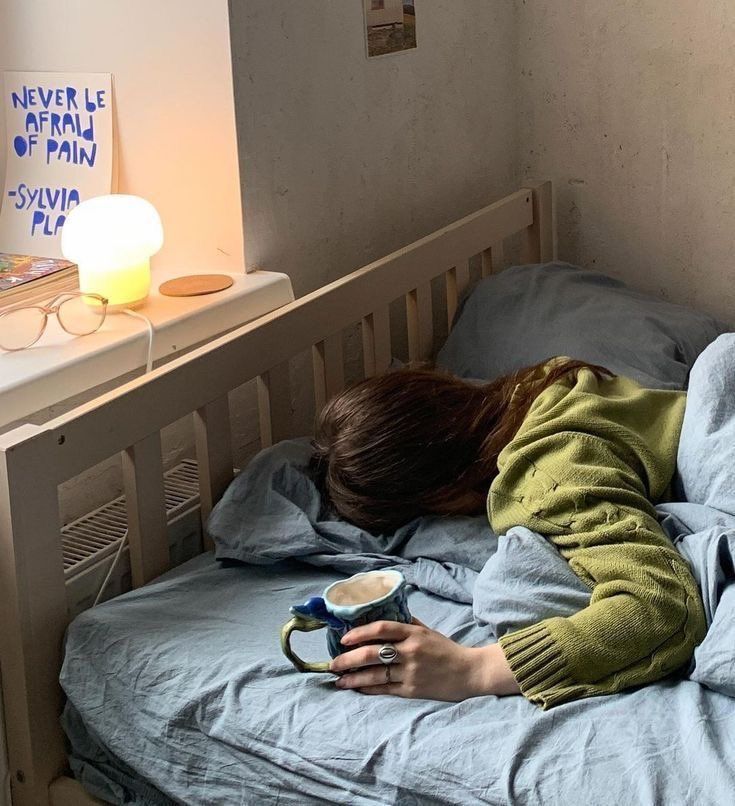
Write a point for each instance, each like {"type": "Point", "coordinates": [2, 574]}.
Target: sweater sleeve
{"type": "Point", "coordinates": [645, 615]}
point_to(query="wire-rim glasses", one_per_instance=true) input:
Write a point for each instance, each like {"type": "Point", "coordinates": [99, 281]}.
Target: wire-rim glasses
{"type": "Point", "coordinates": [78, 313]}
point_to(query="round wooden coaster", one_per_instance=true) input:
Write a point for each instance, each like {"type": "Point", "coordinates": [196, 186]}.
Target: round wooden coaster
{"type": "Point", "coordinates": [193, 285]}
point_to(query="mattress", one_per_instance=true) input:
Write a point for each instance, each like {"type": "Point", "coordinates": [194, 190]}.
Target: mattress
{"type": "Point", "coordinates": [178, 693]}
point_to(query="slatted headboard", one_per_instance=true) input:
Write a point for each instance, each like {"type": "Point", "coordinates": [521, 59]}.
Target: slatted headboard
{"type": "Point", "coordinates": [35, 460]}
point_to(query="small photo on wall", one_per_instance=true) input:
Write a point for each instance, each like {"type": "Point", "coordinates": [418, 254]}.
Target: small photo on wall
{"type": "Point", "coordinates": [390, 26]}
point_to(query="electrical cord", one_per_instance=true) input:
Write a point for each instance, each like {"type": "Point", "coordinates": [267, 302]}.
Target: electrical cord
{"type": "Point", "coordinates": [124, 538]}
{"type": "Point", "coordinates": [149, 324]}
{"type": "Point", "coordinates": [113, 565]}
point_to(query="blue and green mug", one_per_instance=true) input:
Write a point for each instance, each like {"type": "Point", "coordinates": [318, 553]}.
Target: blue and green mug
{"type": "Point", "coordinates": [361, 599]}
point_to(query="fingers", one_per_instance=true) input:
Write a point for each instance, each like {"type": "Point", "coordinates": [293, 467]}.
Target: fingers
{"type": "Point", "coordinates": [378, 631]}
{"type": "Point", "coordinates": [396, 689]}
{"type": "Point", "coordinates": [362, 656]}
{"type": "Point", "coordinates": [370, 677]}
{"type": "Point", "coordinates": [361, 668]}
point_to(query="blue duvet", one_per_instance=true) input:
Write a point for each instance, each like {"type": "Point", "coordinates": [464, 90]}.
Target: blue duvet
{"type": "Point", "coordinates": [178, 692]}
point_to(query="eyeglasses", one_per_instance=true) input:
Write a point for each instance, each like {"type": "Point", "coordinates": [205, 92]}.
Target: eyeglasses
{"type": "Point", "coordinates": [79, 314]}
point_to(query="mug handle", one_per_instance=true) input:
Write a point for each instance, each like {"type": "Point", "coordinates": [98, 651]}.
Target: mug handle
{"type": "Point", "coordinates": [298, 624]}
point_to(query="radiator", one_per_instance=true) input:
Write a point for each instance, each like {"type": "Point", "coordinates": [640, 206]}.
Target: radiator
{"type": "Point", "coordinates": [91, 542]}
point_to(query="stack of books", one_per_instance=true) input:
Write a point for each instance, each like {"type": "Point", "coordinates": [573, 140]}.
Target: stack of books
{"type": "Point", "coordinates": [27, 280]}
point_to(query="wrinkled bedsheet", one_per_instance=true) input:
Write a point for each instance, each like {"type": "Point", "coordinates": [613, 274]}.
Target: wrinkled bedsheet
{"type": "Point", "coordinates": [179, 693]}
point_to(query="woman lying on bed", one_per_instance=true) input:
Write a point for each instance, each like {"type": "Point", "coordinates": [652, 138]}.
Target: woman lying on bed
{"type": "Point", "coordinates": [565, 449]}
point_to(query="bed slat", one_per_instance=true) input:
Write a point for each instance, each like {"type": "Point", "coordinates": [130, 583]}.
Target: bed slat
{"type": "Point", "coordinates": [456, 280]}
{"type": "Point", "coordinates": [213, 441]}
{"type": "Point", "coordinates": [376, 341]}
{"type": "Point", "coordinates": [329, 373]}
{"type": "Point", "coordinates": [492, 259]}
{"type": "Point", "coordinates": [335, 366]}
{"type": "Point", "coordinates": [419, 323]}
{"type": "Point", "coordinates": [538, 238]}
{"type": "Point", "coordinates": [367, 329]}
{"type": "Point", "coordinates": [463, 277]}
{"type": "Point", "coordinates": [450, 283]}
{"type": "Point", "coordinates": [147, 525]}
{"type": "Point", "coordinates": [274, 404]}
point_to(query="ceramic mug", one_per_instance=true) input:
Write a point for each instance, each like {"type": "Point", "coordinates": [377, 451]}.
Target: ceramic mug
{"type": "Point", "coordinates": [361, 599]}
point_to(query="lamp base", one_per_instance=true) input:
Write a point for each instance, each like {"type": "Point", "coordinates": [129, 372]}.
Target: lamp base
{"type": "Point", "coordinates": [124, 286]}
{"type": "Point", "coordinates": [138, 303]}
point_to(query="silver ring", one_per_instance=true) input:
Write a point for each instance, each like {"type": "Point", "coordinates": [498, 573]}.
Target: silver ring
{"type": "Point", "coordinates": [387, 672]}
{"type": "Point", "coordinates": [387, 654]}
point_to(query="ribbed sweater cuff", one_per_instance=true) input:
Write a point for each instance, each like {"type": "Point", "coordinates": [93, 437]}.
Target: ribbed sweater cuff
{"type": "Point", "coordinates": [537, 665]}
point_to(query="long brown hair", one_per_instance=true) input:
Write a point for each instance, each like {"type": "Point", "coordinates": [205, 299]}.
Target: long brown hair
{"type": "Point", "coordinates": [417, 441]}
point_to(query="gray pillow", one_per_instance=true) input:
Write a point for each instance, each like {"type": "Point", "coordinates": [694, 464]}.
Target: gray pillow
{"type": "Point", "coordinates": [529, 313]}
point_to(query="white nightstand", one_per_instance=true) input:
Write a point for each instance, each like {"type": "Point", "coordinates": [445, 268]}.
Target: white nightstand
{"type": "Point", "coordinates": [59, 366]}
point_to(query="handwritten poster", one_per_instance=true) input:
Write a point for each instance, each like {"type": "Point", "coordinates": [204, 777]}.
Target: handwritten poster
{"type": "Point", "coordinates": [59, 152]}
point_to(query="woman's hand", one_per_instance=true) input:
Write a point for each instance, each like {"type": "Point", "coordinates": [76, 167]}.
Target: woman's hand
{"type": "Point", "coordinates": [429, 665]}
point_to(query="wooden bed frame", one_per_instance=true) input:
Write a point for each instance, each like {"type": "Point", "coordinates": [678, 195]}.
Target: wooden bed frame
{"type": "Point", "coordinates": [35, 460]}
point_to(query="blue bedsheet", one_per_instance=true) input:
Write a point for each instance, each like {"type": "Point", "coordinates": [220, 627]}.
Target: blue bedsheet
{"type": "Point", "coordinates": [178, 692]}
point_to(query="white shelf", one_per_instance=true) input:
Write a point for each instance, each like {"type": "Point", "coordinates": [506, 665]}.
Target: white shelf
{"type": "Point", "coordinates": [60, 366]}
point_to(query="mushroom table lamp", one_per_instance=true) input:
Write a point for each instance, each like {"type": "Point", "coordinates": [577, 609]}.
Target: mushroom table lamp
{"type": "Point", "coordinates": [111, 239]}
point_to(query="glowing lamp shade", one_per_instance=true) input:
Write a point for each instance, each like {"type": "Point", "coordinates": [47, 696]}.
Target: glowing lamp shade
{"type": "Point", "coordinates": [111, 239]}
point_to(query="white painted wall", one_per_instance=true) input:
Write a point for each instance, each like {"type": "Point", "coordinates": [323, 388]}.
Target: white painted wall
{"type": "Point", "coordinates": [172, 83]}
{"type": "Point", "coordinates": [628, 106]}
{"type": "Point", "coordinates": [174, 108]}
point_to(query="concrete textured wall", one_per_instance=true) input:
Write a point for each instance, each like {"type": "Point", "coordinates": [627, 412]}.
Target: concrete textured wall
{"type": "Point", "coordinates": [344, 159]}
{"type": "Point", "coordinates": [629, 107]}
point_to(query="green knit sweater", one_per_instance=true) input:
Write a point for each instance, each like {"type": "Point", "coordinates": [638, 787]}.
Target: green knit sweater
{"type": "Point", "coordinates": [583, 469]}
